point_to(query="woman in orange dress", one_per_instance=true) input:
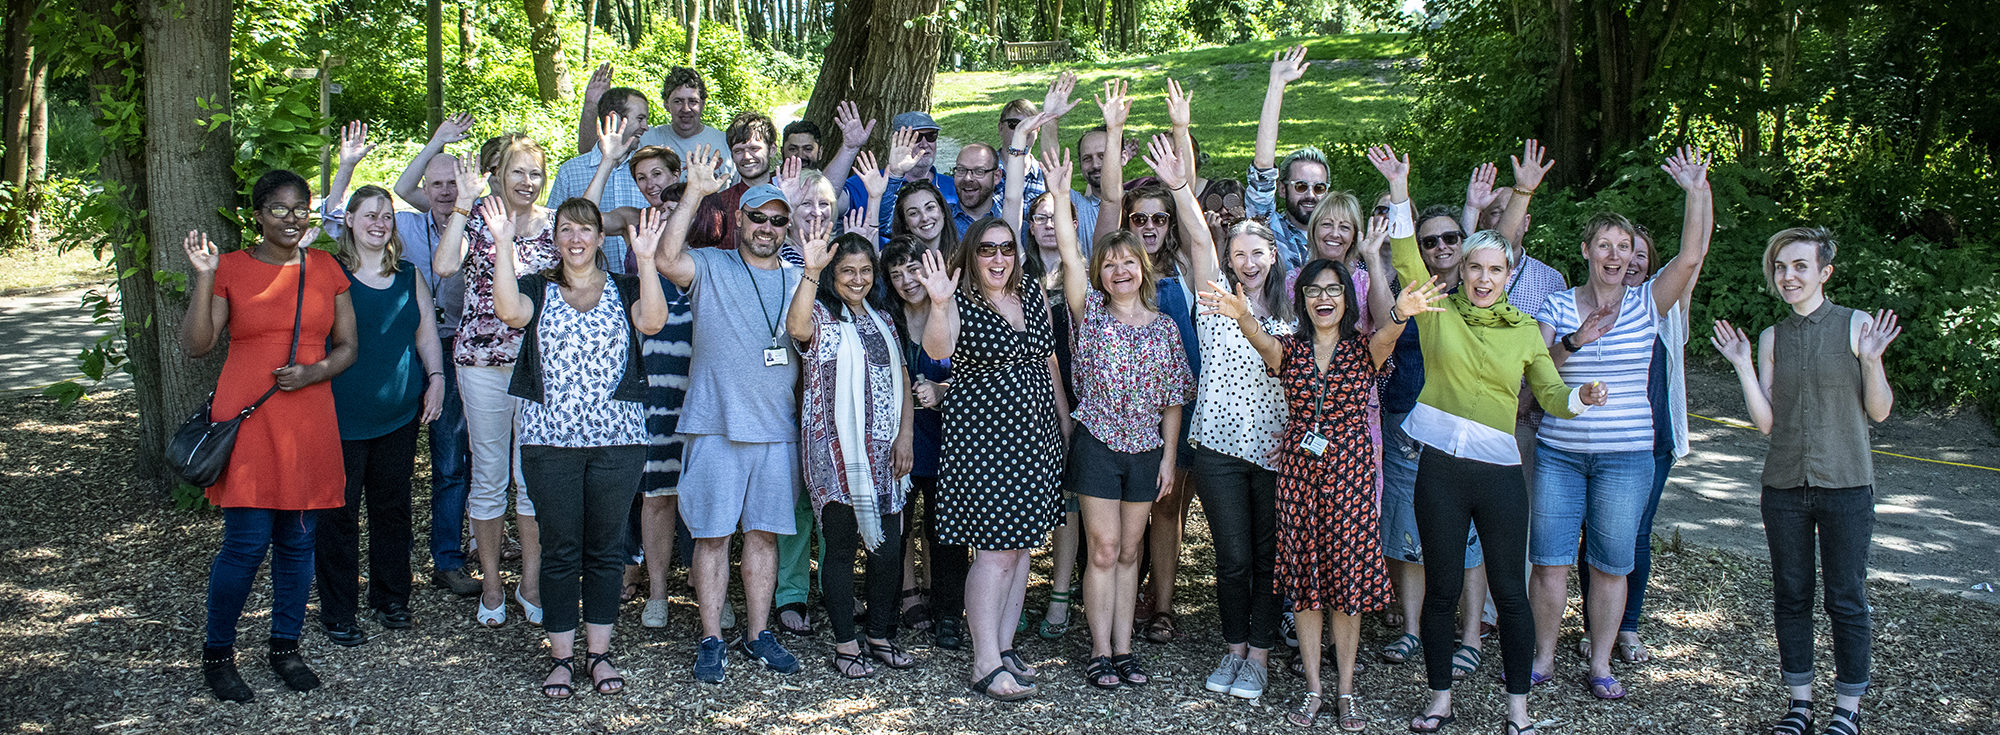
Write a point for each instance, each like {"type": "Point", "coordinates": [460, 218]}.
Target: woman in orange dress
{"type": "Point", "coordinates": [287, 460]}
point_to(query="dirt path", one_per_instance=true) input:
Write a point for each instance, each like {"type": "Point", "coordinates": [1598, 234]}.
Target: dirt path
{"type": "Point", "coordinates": [42, 335]}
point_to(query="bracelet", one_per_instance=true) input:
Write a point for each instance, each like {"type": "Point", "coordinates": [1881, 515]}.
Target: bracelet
{"type": "Point", "coordinates": [1523, 192]}
{"type": "Point", "coordinates": [1569, 342]}
{"type": "Point", "coordinates": [1396, 318]}
{"type": "Point", "coordinates": [1183, 185]}
{"type": "Point", "coordinates": [804, 277]}
{"type": "Point", "coordinates": [462, 212]}
{"type": "Point", "coordinates": [1012, 151]}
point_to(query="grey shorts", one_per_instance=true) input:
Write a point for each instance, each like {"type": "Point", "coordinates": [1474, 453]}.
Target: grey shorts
{"type": "Point", "coordinates": [728, 486]}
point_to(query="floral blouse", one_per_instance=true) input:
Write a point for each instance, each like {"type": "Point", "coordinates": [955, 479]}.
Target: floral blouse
{"type": "Point", "coordinates": [484, 340]}
{"type": "Point", "coordinates": [826, 480]}
{"type": "Point", "coordinates": [1126, 376]}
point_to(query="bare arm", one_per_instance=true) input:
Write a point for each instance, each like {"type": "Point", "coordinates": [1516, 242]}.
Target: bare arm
{"type": "Point", "coordinates": [450, 253]}
{"type": "Point", "coordinates": [1871, 336]}
{"type": "Point", "coordinates": [206, 313]}
{"type": "Point", "coordinates": [649, 315]}
{"type": "Point", "coordinates": [340, 350]}
{"type": "Point", "coordinates": [941, 331]}
{"type": "Point", "coordinates": [410, 185]}
{"type": "Point", "coordinates": [1218, 299]}
{"type": "Point", "coordinates": [853, 135]}
{"type": "Point", "coordinates": [1529, 168]}
{"type": "Point", "coordinates": [1380, 297]}
{"type": "Point", "coordinates": [817, 253]}
{"type": "Point", "coordinates": [1755, 380]}
{"type": "Point", "coordinates": [509, 304]}
{"type": "Point", "coordinates": [703, 178]}
{"type": "Point", "coordinates": [1689, 168]}
{"type": "Point", "coordinates": [1116, 104]}
{"type": "Point", "coordinates": [1479, 194]}
{"type": "Point", "coordinates": [1063, 420]}
{"type": "Point", "coordinates": [430, 351]}
{"type": "Point", "coordinates": [1076, 275]}
{"type": "Point", "coordinates": [354, 147]}
{"type": "Point", "coordinates": [1286, 67]}
{"type": "Point", "coordinates": [586, 128]}
{"type": "Point", "coordinates": [1055, 105]}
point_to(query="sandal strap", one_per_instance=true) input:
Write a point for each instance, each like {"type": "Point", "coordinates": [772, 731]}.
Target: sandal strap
{"type": "Point", "coordinates": [1844, 722]}
{"type": "Point", "coordinates": [1059, 597]}
{"type": "Point", "coordinates": [1471, 656]}
{"type": "Point", "coordinates": [1798, 720]}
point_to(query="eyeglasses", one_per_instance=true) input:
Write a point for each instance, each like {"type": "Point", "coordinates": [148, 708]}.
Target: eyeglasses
{"type": "Point", "coordinates": [283, 212]}
{"type": "Point", "coordinates": [1314, 292]}
{"type": "Point", "coordinates": [1012, 123]}
{"type": "Point", "coordinates": [1430, 242]}
{"type": "Point", "coordinates": [957, 171]}
{"type": "Point", "coordinates": [776, 220]}
{"type": "Point", "coordinates": [1043, 219]}
{"type": "Point", "coordinates": [988, 250]}
{"type": "Point", "coordinates": [1316, 187]}
{"type": "Point", "coordinates": [1381, 210]}
{"type": "Point", "coordinates": [927, 136]}
{"type": "Point", "coordinates": [1159, 219]}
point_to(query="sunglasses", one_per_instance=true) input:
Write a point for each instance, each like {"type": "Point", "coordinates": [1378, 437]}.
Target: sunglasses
{"type": "Point", "coordinates": [281, 212]}
{"type": "Point", "coordinates": [1159, 219]}
{"type": "Point", "coordinates": [988, 250]}
{"type": "Point", "coordinates": [1011, 123]}
{"type": "Point", "coordinates": [776, 220]}
{"type": "Point", "coordinates": [1431, 242]}
{"type": "Point", "coordinates": [1316, 188]}
{"type": "Point", "coordinates": [1381, 210]}
{"type": "Point", "coordinates": [1314, 292]}
{"type": "Point", "coordinates": [927, 136]}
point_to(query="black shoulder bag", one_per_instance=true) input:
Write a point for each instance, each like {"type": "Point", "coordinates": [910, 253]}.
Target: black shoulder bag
{"type": "Point", "coordinates": [199, 450]}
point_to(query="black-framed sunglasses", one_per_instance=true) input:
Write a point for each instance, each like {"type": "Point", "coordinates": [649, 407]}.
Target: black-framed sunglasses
{"type": "Point", "coordinates": [776, 220]}
{"type": "Point", "coordinates": [1317, 188]}
{"type": "Point", "coordinates": [927, 136]}
{"type": "Point", "coordinates": [988, 250]}
{"type": "Point", "coordinates": [1333, 290]}
{"type": "Point", "coordinates": [1159, 219]}
{"type": "Point", "coordinates": [1431, 242]}
{"type": "Point", "coordinates": [1381, 210]}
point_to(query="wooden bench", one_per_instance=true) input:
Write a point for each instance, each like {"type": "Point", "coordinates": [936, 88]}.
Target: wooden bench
{"type": "Point", "coordinates": [1032, 52]}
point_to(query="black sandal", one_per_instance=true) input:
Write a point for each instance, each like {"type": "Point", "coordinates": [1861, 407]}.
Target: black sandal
{"type": "Point", "coordinates": [1129, 670]}
{"type": "Point", "coordinates": [1797, 721]}
{"type": "Point", "coordinates": [844, 664]}
{"type": "Point", "coordinates": [984, 686]}
{"type": "Point", "coordinates": [560, 691]}
{"type": "Point", "coordinates": [1011, 660]}
{"type": "Point", "coordinates": [1513, 729]}
{"type": "Point", "coordinates": [597, 684]}
{"type": "Point", "coordinates": [1099, 671]}
{"type": "Point", "coordinates": [1844, 722]}
{"type": "Point", "coordinates": [889, 653]}
{"type": "Point", "coordinates": [1437, 722]}
{"type": "Point", "coordinates": [918, 616]}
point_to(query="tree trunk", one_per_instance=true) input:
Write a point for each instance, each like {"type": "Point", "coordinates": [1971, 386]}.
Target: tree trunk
{"type": "Point", "coordinates": [434, 61]}
{"type": "Point", "coordinates": [589, 24]}
{"type": "Point", "coordinates": [468, 44]}
{"type": "Point", "coordinates": [844, 53]}
{"type": "Point", "coordinates": [898, 71]}
{"type": "Point", "coordinates": [1562, 125]}
{"type": "Point", "coordinates": [26, 78]}
{"type": "Point", "coordinates": [545, 45]}
{"type": "Point", "coordinates": [188, 174]}
{"type": "Point", "coordinates": [693, 29]}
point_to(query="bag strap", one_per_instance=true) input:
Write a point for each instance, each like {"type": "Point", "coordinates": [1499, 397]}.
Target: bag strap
{"type": "Point", "coordinates": [298, 309]}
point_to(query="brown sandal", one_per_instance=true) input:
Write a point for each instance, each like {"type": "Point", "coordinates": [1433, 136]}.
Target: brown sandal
{"type": "Point", "coordinates": [1161, 629]}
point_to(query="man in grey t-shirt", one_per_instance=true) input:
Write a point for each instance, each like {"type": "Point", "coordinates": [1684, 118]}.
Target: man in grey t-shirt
{"type": "Point", "coordinates": [741, 416]}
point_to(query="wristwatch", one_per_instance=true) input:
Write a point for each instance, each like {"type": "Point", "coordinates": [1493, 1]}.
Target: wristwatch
{"type": "Point", "coordinates": [1569, 342]}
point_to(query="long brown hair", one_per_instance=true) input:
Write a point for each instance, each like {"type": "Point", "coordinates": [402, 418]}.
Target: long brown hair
{"type": "Point", "coordinates": [349, 253]}
{"type": "Point", "coordinates": [966, 259]}
{"type": "Point", "coordinates": [584, 212]}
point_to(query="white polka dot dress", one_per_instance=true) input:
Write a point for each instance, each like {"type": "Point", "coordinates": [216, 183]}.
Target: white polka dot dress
{"type": "Point", "coordinates": [998, 484]}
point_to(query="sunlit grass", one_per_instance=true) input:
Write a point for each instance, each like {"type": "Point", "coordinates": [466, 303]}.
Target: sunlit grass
{"type": "Point", "coordinates": [46, 265]}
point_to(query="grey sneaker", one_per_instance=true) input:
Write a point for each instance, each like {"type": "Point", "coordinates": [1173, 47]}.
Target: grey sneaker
{"type": "Point", "coordinates": [1250, 680]}
{"type": "Point", "coordinates": [1224, 674]}
{"type": "Point", "coordinates": [655, 615]}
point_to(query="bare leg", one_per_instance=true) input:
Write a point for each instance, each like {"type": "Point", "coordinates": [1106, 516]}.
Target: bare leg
{"type": "Point", "coordinates": [1409, 580]}
{"type": "Point", "coordinates": [988, 588]}
{"type": "Point", "coordinates": [1063, 556]}
{"type": "Point", "coordinates": [1102, 523]}
{"type": "Point", "coordinates": [656, 526]}
{"type": "Point", "coordinates": [561, 645]}
{"type": "Point", "coordinates": [597, 639]}
{"type": "Point", "coordinates": [1169, 522]}
{"type": "Point", "coordinates": [1131, 537]}
{"type": "Point", "coordinates": [486, 535]}
{"type": "Point", "coordinates": [1470, 604]}
{"type": "Point", "coordinates": [1346, 635]}
{"type": "Point", "coordinates": [1548, 595]}
{"type": "Point", "coordinates": [1605, 611]}
{"type": "Point", "coordinates": [760, 578]}
{"type": "Point", "coordinates": [1311, 625]}
{"type": "Point", "coordinates": [531, 557]}
{"type": "Point", "coordinates": [711, 582]}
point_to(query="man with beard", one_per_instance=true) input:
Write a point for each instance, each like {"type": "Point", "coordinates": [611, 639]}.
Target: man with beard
{"type": "Point", "coordinates": [1298, 182]}
{"type": "Point", "coordinates": [974, 180]}
{"type": "Point", "coordinates": [741, 415]}
{"type": "Point", "coordinates": [802, 141]}
{"type": "Point", "coordinates": [751, 137]}
{"type": "Point", "coordinates": [632, 108]}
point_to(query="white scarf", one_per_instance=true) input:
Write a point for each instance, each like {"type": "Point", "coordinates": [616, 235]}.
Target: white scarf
{"type": "Point", "coordinates": [850, 420]}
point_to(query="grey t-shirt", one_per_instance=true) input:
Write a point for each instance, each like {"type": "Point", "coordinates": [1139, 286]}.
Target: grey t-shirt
{"type": "Point", "coordinates": [664, 135]}
{"type": "Point", "coordinates": [730, 390]}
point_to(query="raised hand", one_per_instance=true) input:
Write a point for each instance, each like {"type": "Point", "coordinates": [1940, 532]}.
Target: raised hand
{"type": "Point", "coordinates": [1116, 102]}
{"type": "Point", "coordinates": [1876, 334]}
{"type": "Point", "coordinates": [1218, 299]}
{"type": "Point", "coordinates": [498, 224]}
{"type": "Point", "coordinates": [1689, 167]}
{"type": "Point", "coordinates": [644, 236]}
{"type": "Point", "coordinates": [857, 222]}
{"type": "Point", "coordinates": [902, 152]}
{"type": "Point", "coordinates": [1178, 105]}
{"type": "Point", "coordinates": [1058, 169]}
{"type": "Point", "coordinates": [787, 178]}
{"type": "Point", "coordinates": [1396, 170]}
{"type": "Point", "coordinates": [1420, 299]}
{"type": "Point", "coordinates": [1732, 343]}
{"type": "Point", "coordinates": [1480, 192]}
{"type": "Point", "coordinates": [201, 253]}
{"type": "Point", "coordinates": [1166, 161]}
{"type": "Point", "coordinates": [1057, 102]}
{"type": "Point", "coordinates": [469, 180]}
{"type": "Point", "coordinates": [1596, 324]}
{"type": "Point", "coordinates": [1595, 393]}
{"type": "Point", "coordinates": [453, 129]}
{"type": "Point", "coordinates": [1371, 242]}
{"type": "Point", "coordinates": [611, 140]}
{"type": "Point", "coordinates": [1531, 165]}
{"type": "Point", "coordinates": [873, 179]}
{"type": "Point", "coordinates": [354, 144]}
{"type": "Point", "coordinates": [847, 117]}
{"type": "Point", "coordinates": [703, 171]}
{"type": "Point", "coordinates": [938, 284]}
{"type": "Point", "coordinates": [1288, 65]}
{"type": "Point", "coordinates": [600, 82]}
{"type": "Point", "coordinates": [815, 245]}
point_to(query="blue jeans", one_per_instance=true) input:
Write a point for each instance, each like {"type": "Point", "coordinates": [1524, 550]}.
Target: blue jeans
{"type": "Point", "coordinates": [450, 460]}
{"type": "Point", "coordinates": [246, 534]}
{"type": "Point", "coordinates": [1600, 496]}
{"type": "Point", "coordinates": [1838, 523]}
{"type": "Point", "coordinates": [1642, 547]}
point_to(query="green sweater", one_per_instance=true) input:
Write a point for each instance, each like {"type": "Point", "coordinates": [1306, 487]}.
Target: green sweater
{"type": "Point", "coordinates": [1474, 358]}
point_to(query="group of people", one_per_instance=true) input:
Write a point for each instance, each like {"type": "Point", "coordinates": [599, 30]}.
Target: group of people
{"type": "Point", "coordinates": [1384, 408]}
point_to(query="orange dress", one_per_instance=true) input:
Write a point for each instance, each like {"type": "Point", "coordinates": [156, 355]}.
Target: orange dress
{"type": "Point", "coordinates": [287, 454]}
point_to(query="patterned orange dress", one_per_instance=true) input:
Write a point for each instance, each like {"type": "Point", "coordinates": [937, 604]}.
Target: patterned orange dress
{"type": "Point", "coordinates": [1329, 526]}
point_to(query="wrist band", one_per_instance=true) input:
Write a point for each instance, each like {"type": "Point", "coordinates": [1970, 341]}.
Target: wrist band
{"type": "Point", "coordinates": [1017, 151]}
{"type": "Point", "coordinates": [462, 211]}
{"type": "Point", "coordinates": [1569, 342]}
{"type": "Point", "coordinates": [437, 373]}
{"type": "Point", "coordinates": [1523, 192]}
{"type": "Point", "coordinates": [1396, 318]}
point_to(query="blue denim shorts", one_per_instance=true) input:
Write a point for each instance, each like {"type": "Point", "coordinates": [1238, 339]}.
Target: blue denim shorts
{"type": "Point", "coordinates": [1399, 498]}
{"type": "Point", "coordinates": [1598, 496]}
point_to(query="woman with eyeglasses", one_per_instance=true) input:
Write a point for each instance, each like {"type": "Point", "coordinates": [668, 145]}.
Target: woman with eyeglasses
{"type": "Point", "coordinates": [486, 352]}
{"type": "Point", "coordinates": [1004, 423]}
{"type": "Point", "coordinates": [1149, 212]}
{"type": "Point", "coordinates": [287, 459]}
{"type": "Point", "coordinates": [1477, 350]}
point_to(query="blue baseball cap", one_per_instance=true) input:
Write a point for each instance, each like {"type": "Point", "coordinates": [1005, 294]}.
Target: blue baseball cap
{"type": "Point", "coordinates": [762, 194]}
{"type": "Point", "coordinates": [913, 120]}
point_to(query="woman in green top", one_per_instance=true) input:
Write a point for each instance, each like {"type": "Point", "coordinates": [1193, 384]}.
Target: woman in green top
{"type": "Point", "coordinates": [1476, 351]}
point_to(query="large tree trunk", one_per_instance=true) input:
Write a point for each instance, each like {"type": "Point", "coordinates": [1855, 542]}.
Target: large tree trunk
{"type": "Point", "coordinates": [26, 125]}
{"type": "Point", "coordinates": [1562, 127]}
{"type": "Point", "coordinates": [694, 8]}
{"type": "Point", "coordinates": [883, 67]}
{"type": "Point", "coordinates": [468, 42]}
{"type": "Point", "coordinates": [434, 62]}
{"type": "Point", "coordinates": [545, 45]}
{"type": "Point", "coordinates": [844, 54]}
{"type": "Point", "coordinates": [188, 172]}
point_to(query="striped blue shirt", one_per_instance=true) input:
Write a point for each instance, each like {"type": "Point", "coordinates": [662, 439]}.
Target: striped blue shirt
{"type": "Point", "coordinates": [1621, 359]}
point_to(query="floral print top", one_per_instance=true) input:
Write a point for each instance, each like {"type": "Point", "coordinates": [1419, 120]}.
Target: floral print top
{"type": "Point", "coordinates": [1126, 376]}
{"type": "Point", "coordinates": [484, 340]}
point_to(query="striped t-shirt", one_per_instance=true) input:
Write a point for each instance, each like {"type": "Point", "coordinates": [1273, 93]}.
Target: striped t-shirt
{"type": "Point", "coordinates": [1620, 359]}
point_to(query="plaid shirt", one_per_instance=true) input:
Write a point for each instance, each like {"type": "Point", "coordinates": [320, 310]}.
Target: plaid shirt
{"type": "Point", "coordinates": [573, 177]}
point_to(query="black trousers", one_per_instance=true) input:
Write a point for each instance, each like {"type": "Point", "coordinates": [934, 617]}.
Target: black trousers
{"type": "Point", "coordinates": [949, 562]}
{"type": "Point", "coordinates": [1241, 501]}
{"type": "Point", "coordinates": [583, 498]}
{"type": "Point", "coordinates": [378, 476]}
{"type": "Point", "coordinates": [842, 536]}
{"type": "Point", "coordinates": [1451, 493]}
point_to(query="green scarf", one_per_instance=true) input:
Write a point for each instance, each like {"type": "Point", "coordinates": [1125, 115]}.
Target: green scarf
{"type": "Point", "coordinates": [1500, 314]}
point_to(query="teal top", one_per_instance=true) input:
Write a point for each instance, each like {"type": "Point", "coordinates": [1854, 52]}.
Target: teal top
{"type": "Point", "coordinates": [384, 388]}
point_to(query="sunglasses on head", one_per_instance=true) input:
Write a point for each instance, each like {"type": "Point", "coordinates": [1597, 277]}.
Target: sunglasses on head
{"type": "Point", "coordinates": [988, 249]}
{"type": "Point", "coordinates": [776, 220]}
{"type": "Point", "coordinates": [1430, 242]}
{"type": "Point", "coordinates": [1316, 188]}
{"type": "Point", "coordinates": [927, 136]}
{"type": "Point", "coordinates": [1314, 292]}
{"type": "Point", "coordinates": [1159, 219]}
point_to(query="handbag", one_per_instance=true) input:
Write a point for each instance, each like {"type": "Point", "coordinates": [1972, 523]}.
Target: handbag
{"type": "Point", "coordinates": [199, 450]}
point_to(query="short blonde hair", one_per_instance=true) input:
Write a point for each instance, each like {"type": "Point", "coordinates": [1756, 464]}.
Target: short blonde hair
{"type": "Point", "coordinates": [1488, 240]}
{"type": "Point", "coordinates": [1337, 206]}
{"type": "Point", "coordinates": [1823, 250]}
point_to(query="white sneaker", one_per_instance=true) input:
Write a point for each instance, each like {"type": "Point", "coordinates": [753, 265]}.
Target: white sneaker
{"type": "Point", "coordinates": [1224, 674]}
{"type": "Point", "coordinates": [655, 615]}
{"type": "Point", "coordinates": [1250, 680]}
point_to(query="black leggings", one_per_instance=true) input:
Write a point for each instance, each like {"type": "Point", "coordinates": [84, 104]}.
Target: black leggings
{"type": "Point", "coordinates": [378, 477]}
{"type": "Point", "coordinates": [842, 537]}
{"type": "Point", "coordinates": [583, 498]}
{"type": "Point", "coordinates": [949, 562]}
{"type": "Point", "coordinates": [1451, 492]}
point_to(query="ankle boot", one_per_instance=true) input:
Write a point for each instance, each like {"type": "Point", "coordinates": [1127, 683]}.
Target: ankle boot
{"type": "Point", "coordinates": [218, 667]}
{"type": "Point", "coordinates": [290, 666]}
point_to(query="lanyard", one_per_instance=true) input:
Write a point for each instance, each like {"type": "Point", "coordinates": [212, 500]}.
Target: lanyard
{"type": "Point", "coordinates": [772, 323]}
{"type": "Point", "coordinates": [1319, 382]}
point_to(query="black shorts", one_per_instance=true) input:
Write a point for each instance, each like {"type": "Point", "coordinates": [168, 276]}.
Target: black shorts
{"type": "Point", "coordinates": [1098, 471]}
